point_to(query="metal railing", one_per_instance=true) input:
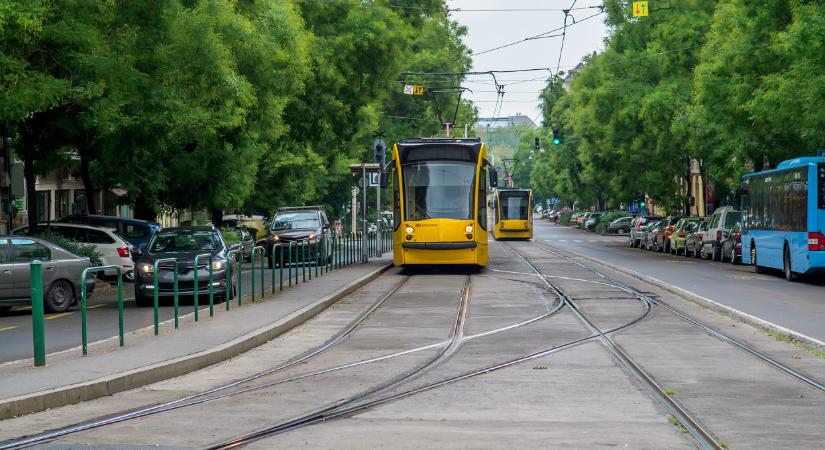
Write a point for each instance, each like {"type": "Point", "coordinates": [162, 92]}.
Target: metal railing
{"type": "Point", "coordinates": [325, 255]}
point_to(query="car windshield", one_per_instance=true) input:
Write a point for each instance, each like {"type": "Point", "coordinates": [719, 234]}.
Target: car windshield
{"type": "Point", "coordinates": [513, 206]}
{"type": "Point", "coordinates": [438, 190]}
{"type": "Point", "coordinates": [295, 221]}
{"type": "Point", "coordinates": [184, 241]}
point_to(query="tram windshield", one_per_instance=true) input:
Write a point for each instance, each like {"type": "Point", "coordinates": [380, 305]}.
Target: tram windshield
{"type": "Point", "coordinates": [438, 190]}
{"type": "Point", "coordinates": [513, 206]}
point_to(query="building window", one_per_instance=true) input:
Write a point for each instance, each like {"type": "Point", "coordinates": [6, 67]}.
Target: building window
{"type": "Point", "coordinates": [62, 203]}
{"type": "Point", "coordinates": [79, 203]}
{"type": "Point", "coordinates": [43, 205]}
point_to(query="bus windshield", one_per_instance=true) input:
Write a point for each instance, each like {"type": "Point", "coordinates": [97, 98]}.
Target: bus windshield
{"type": "Point", "coordinates": [513, 206]}
{"type": "Point", "coordinates": [438, 190]}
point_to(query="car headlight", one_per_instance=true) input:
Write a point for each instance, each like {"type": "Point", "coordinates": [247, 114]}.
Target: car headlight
{"type": "Point", "coordinates": [276, 238]}
{"type": "Point", "coordinates": [312, 236]}
{"type": "Point", "coordinates": [217, 265]}
{"type": "Point", "coordinates": [147, 268]}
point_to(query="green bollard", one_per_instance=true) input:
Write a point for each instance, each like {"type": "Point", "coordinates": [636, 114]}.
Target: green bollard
{"type": "Point", "coordinates": [252, 274]}
{"type": "Point", "coordinates": [228, 280]}
{"type": "Point", "coordinates": [289, 267]}
{"type": "Point", "coordinates": [119, 304]}
{"type": "Point", "coordinates": [38, 316]}
{"type": "Point", "coordinates": [84, 308]}
{"type": "Point", "coordinates": [317, 258]}
{"type": "Point", "coordinates": [272, 270]}
{"type": "Point", "coordinates": [260, 250]}
{"type": "Point", "coordinates": [240, 278]}
{"type": "Point", "coordinates": [281, 268]}
{"type": "Point", "coordinates": [197, 285]}
{"type": "Point", "coordinates": [156, 269]}
{"type": "Point", "coordinates": [303, 261]}
{"type": "Point", "coordinates": [175, 296]}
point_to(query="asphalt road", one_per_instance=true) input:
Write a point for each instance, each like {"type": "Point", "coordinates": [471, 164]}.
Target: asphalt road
{"type": "Point", "coordinates": [63, 330]}
{"type": "Point", "coordinates": [799, 306]}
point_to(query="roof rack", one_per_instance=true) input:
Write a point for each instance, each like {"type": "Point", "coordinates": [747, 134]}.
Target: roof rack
{"type": "Point", "coordinates": [301, 208]}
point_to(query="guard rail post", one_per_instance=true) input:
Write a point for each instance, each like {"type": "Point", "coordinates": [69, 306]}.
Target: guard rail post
{"type": "Point", "coordinates": [83, 323]}
{"type": "Point", "coordinates": [155, 270]}
{"type": "Point", "coordinates": [38, 316]}
{"type": "Point", "coordinates": [281, 268]}
{"type": "Point", "coordinates": [197, 284]}
{"type": "Point", "coordinates": [289, 271]}
{"type": "Point", "coordinates": [260, 250]}
{"type": "Point", "coordinates": [228, 277]}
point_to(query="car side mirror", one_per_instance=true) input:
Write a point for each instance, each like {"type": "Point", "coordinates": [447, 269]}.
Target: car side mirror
{"type": "Point", "coordinates": [493, 177]}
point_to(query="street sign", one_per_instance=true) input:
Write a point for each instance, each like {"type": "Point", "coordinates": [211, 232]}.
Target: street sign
{"type": "Point", "coordinates": [639, 9]}
{"type": "Point", "coordinates": [413, 89]}
{"type": "Point", "coordinates": [632, 208]}
{"type": "Point", "coordinates": [554, 200]}
{"type": "Point", "coordinates": [375, 178]}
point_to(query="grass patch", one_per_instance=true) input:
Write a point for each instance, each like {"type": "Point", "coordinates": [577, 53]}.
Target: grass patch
{"type": "Point", "coordinates": [540, 367]}
{"type": "Point", "coordinates": [815, 352]}
{"type": "Point", "coordinates": [676, 423]}
{"type": "Point", "coordinates": [723, 443]}
{"type": "Point", "coordinates": [671, 392]}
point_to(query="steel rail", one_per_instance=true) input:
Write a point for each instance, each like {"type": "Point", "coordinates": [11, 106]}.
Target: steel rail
{"type": "Point", "coordinates": [455, 341]}
{"type": "Point", "coordinates": [695, 427]}
{"type": "Point", "coordinates": [188, 400]}
{"type": "Point", "coordinates": [764, 357]}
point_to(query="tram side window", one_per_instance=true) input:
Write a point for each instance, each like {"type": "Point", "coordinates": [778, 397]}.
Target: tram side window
{"type": "Point", "coordinates": [482, 200]}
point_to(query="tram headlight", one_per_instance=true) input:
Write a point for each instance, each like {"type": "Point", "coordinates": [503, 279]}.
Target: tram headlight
{"type": "Point", "coordinates": [409, 230]}
{"type": "Point", "coordinates": [468, 229]}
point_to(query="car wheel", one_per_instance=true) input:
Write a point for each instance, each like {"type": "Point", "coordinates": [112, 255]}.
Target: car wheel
{"type": "Point", "coordinates": [790, 275]}
{"type": "Point", "coordinates": [59, 297]}
{"type": "Point", "coordinates": [722, 255]}
{"type": "Point", "coordinates": [702, 253]}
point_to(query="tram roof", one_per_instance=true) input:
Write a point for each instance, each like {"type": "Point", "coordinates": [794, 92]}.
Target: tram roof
{"type": "Point", "coordinates": [441, 148]}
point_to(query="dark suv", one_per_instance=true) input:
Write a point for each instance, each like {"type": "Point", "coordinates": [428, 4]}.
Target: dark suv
{"type": "Point", "coordinates": [307, 224]}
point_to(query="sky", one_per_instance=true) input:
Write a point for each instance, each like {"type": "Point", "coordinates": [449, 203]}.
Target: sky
{"type": "Point", "coordinates": [489, 29]}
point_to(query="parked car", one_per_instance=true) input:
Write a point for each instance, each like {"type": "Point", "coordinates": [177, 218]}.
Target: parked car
{"type": "Point", "coordinates": [637, 228]}
{"type": "Point", "coordinates": [693, 240]}
{"type": "Point", "coordinates": [575, 217]}
{"type": "Point", "coordinates": [620, 225]}
{"type": "Point", "coordinates": [683, 227]}
{"type": "Point", "coordinates": [247, 242]}
{"type": "Point", "coordinates": [591, 222]}
{"type": "Point", "coordinates": [61, 273]}
{"type": "Point", "coordinates": [720, 223]}
{"type": "Point", "coordinates": [297, 224]}
{"type": "Point", "coordinates": [580, 220]}
{"type": "Point", "coordinates": [114, 250]}
{"type": "Point", "coordinates": [732, 244]}
{"type": "Point", "coordinates": [667, 229]}
{"type": "Point", "coordinates": [654, 237]}
{"type": "Point", "coordinates": [135, 231]}
{"type": "Point", "coordinates": [256, 225]}
{"type": "Point", "coordinates": [183, 244]}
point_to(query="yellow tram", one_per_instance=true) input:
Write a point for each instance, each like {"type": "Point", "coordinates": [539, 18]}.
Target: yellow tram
{"type": "Point", "coordinates": [439, 201]}
{"type": "Point", "coordinates": [513, 214]}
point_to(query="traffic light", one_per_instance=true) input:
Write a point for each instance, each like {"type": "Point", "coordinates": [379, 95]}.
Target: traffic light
{"type": "Point", "coordinates": [556, 136]}
{"type": "Point", "coordinates": [537, 143]}
{"type": "Point", "coordinates": [379, 152]}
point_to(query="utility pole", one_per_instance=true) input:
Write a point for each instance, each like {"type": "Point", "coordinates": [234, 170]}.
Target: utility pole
{"type": "Point", "coordinates": [354, 210]}
{"type": "Point", "coordinates": [366, 184]}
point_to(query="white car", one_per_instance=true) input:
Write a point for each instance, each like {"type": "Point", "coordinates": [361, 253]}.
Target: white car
{"type": "Point", "coordinates": [114, 250]}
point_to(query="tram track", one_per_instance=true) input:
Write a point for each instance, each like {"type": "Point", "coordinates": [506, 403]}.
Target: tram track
{"type": "Point", "coordinates": [707, 328]}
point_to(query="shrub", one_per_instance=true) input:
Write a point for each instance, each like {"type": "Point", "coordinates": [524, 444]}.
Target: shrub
{"type": "Point", "coordinates": [231, 236]}
{"type": "Point", "coordinates": [79, 249]}
{"type": "Point", "coordinates": [564, 218]}
{"type": "Point", "coordinates": [606, 218]}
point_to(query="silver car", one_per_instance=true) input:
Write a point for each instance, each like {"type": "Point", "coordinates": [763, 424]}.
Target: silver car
{"type": "Point", "coordinates": [61, 273]}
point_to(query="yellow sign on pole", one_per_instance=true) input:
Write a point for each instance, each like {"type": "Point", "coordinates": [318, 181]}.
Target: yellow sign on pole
{"type": "Point", "coordinates": [639, 9]}
{"type": "Point", "coordinates": [418, 90]}
{"type": "Point", "coordinates": [411, 89]}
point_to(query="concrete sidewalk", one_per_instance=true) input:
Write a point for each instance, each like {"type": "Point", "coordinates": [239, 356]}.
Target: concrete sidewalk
{"type": "Point", "coordinates": [70, 378]}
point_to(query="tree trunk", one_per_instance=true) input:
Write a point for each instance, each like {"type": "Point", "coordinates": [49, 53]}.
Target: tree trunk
{"type": "Point", "coordinates": [217, 217]}
{"type": "Point", "coordinates": [31, 189]}
{"type": "Point", "coordinates": [88, 187]}
{"type": "Point", "coordinates": [145, 211]}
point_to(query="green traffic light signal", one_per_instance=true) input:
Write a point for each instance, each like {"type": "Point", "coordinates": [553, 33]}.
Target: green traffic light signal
{"type": "Point", "coordinates": [641, 204]}
{"type": "Point", "coordinates": [556, 141]}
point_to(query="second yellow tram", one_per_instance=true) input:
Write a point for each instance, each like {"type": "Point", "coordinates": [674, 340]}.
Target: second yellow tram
{"type": "Point", "coordinates": [513, 214]}
{"type": "Point", "coordinates": [439, 201]}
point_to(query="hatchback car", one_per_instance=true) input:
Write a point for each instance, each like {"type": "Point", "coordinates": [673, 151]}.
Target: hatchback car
{"type": "Point", "coordinates": [693, 240]}
{"type": "Point", "coordinates": [183, 244]}
{"type": "Point", "coordinates": [620, 225]}
{"type": "Point", "coordinates": [667, 230]}
{"type": "Point", "coordinates": [732, 245]}
{"type": "Point", "coordinates": [655, 235]}
{"type": "Point", "coordinates": [677, 239]}
{"type": "Point", "coordinates": [590, 223]}
{"type": "Point", "coordinates": [114, 250]}
{"type": "Point", "coordinates": [294, 225]}
{"type": "Point", "coordinates": [61, 273]}
{"type": "Point", "coordinates": [637, 229]}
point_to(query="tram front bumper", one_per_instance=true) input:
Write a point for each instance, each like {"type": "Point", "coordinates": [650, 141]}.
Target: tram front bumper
{"type": "Point", "coordinates": [439, 245]}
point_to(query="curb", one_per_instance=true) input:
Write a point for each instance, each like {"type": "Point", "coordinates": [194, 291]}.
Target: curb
{"type": "Point", "coordinates": [705, 302]}
{"type": "Point", "coordinates": [112, 384]}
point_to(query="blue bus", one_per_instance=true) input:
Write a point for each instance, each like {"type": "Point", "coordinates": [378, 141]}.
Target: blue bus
{"type": "Point", "coordinates": [783, 214]}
